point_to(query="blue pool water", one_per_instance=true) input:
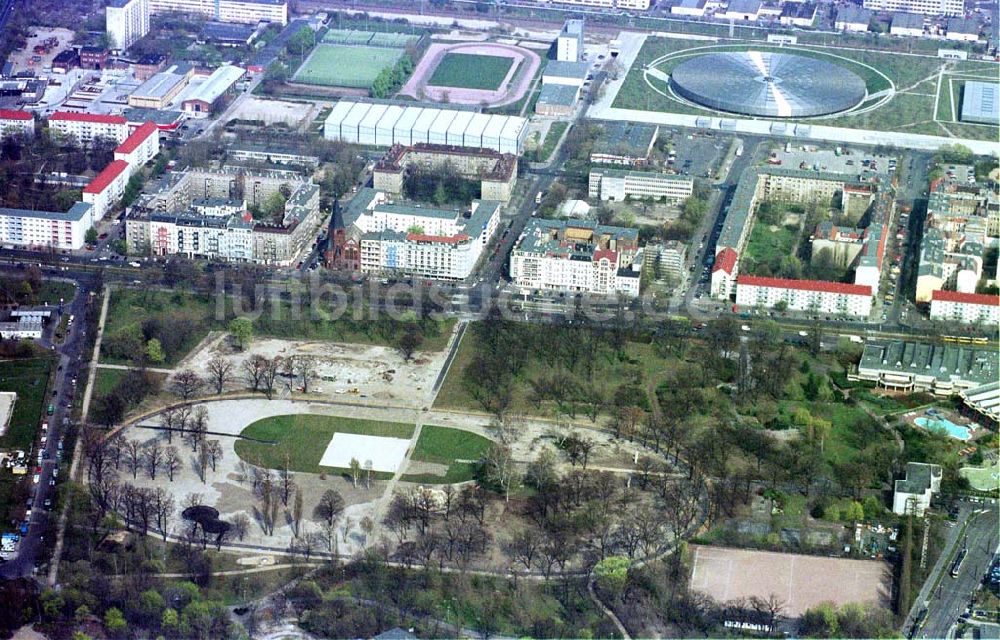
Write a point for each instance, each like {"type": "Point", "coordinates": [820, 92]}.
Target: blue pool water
{"type": "Point", "coordinates": [954, 430]}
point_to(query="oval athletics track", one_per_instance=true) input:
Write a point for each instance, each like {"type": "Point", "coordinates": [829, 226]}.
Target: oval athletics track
{"type": "Point", "coordinates": [512, 89]}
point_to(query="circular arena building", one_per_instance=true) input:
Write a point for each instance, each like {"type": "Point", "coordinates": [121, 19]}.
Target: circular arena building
{"type": "Point", "coordinates": [761, 83]}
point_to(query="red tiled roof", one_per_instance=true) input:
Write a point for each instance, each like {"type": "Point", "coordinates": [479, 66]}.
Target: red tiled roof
{"type": "Point", "coordinates": [138, 136]}
{"type": "Point", "coordinates": [11, 114]}
{"type": "Point", "coordinates": [71, 116]}
{"type": "Point", "coordinates": [605, 253]}
{"type": "Point", "coordinates": [725, 260]}
{"type": "Point", "coordinates": [420, 237]}
{"type": "Point", "coordinates": [106, 177]}
{"type": "Point", "coordinates": [806, 285]}
{"type": "Point", "coordinates": [966, 298]}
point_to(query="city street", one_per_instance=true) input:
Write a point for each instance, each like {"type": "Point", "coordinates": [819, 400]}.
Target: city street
{"type": "Point", "coordinates": [61, 396]}
{"type": "Point", "coordinates": [953, 595]}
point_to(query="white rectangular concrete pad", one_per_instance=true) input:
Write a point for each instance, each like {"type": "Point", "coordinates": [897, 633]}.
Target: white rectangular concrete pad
{"type": "Point", "coordinates": [386, 454]}
{"type": "Point", "coordinates": [7, 400]}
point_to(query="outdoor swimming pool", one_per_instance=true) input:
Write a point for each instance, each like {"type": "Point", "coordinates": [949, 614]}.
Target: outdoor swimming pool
{"type": "Point", "coordinates": [954, 430]}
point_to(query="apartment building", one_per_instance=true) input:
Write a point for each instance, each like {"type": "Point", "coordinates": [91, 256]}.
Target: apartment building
{"type": "Point", "coordinates": [203, 214]}
{"type": "Point", "coordinates": [495, 171]}
{"type": "Point", "coordinates": [15, 122]}
{"type": "Point", "coordinates": [380, 236]}
{"type": "Point", "coordinates": [576, 256]}
{"type": "Point", "coordinates": [961, 222]}
{"type": "Point", "coordinates": [814, 296]}
{"type": "Point", "coordinates": [925, 7]}
{"type": "Point", "coordinates": [87, 126]}
{"type": "Point", "coordinates": [913, 493]}
{"type": "Point", "coordinates": [50, 230]}
{"type": "Point", "coordinates": [140, 147]}
{"type": "Point", "coordinates": [241, 11]}
{"type": "Point", "coordinates": [617, 185]}
{"type": "Point", "coordinates": [126, 21]}
{"type": "Point", "coordinates": [859, 191]}
{"type": "Point", "coordinates": [665, 260]}
{"type": "Point", "coordinates": [569, 43]}
{"type": "Point", "coordinates": [107, 187]}
{"type": "Point", "coordinates": [965, 308]}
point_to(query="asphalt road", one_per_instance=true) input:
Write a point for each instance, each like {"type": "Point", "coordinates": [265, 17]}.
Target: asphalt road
{"type": "Point", "coordinates": [69, 355]}
{"type": "Point", "coordinates": [954, 594]}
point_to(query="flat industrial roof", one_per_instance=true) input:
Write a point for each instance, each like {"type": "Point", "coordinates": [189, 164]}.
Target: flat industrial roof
{"type": "Point", "coordinates": [159, 85]}
{"type": "Point", "coordinates": [563, 95]}
{"type": "Point", "coordinates": [981, 102]}
{"type": "Point", "coordinates": [217, 84]}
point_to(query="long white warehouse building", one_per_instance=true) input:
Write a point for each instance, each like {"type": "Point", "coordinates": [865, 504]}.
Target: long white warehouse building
{"type": "Point", "coordinates": [383, 125]}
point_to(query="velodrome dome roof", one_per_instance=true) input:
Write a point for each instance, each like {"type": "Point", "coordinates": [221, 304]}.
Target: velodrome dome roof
{"type": "Point", "coordinates": [762, 83]}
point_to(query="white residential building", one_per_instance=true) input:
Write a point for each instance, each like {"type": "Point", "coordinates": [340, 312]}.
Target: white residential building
{"type": "Point", "coordinates": [913, 493]}
{"type": "Point", "coordinates": [126, 21]}
{"type": "Point", "coordinates": [433, 243]}
{"type": "Point", "coordinates": [16, 122]}
{"type": "Point", "coordinates": [46, 229]}
{"type": "Point", "coordinates": [966, 308]}
{"type": "Point", "coordinates": [107, 187]}
{"type": "Point", "coordinates": [614, 184]}
{"type": "Point", "coordinates": [926, 7]}
{"type": "Point", "coordinates": [577, 256]}
{"type": "Point", "coordinates": [23, 329]}
{"type": "Point", "coordinates": [87, 126]}
{"type": "Point", "coordinates": [805, 295]}
{"type": "Point", "coordinates": [242, 11]}
{"type": "Point", "coordinates": [140, 147]}
{"type": "Point", "coordinates": [569, 44]}
{"type": "Point", "coordinates": [724, 272]}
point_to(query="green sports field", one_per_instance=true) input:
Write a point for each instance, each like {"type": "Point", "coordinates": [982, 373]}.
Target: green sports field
{"type": "Point", "coordinates": [335, 65]}
{"type": "Point", "coordinates": [301, 440]}
{"type": "Point", "coordinates": [470, 71]}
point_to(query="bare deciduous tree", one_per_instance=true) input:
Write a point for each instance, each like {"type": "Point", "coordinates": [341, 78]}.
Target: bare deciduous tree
{"type": "Point", "coordinates": [153, 456]}
{"type": "Point", "coordinates": [133, 456]}
{"type": "Point", "coordinates": [329, 507]}
{"type": "Point", "coordinates": [253, 370]}
{"type": "Point", "coordinates": [171, 461]}
{"type": "Point", "coordinates": [241, 525]}
{"type": "Point", "coordinates": [305, 368]}
{"type": "Point", "coordinates": [220, 371]}
{"type": "Point", "coordinates": [187, 384]}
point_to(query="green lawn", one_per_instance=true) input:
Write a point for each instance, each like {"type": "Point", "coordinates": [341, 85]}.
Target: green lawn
{"type": "Point", "coordinates": [555, 132]}
{"type": "Point", "coordinates": [302, 439]}
{"type": "Point", "coordinates": [609, 371]}
{"type": "Point", "coordinates": [334, 65]}
{"type": "Point", "coordinates": [443, 445]}
{"type": "Point", "coordinates": [29, 378]}
{"type": "Point", "coordinates": [851, 429]}
{"type": "Point", "coordinates": [470, 71]}
{"type": "Point", "coordinates": [767, 246]}
{"type": "Point", "coordinates": [982, 478]}
{"type": "Point", "coordinates": [130, 308]}
{"type": "Point", "coordinates": [105, 380]}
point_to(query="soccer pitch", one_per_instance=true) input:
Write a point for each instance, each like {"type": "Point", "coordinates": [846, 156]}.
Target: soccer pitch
{"type": "Point", "coordinates": [334, 65]}
{"type": "Point", "coordinates": [470, 71]}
